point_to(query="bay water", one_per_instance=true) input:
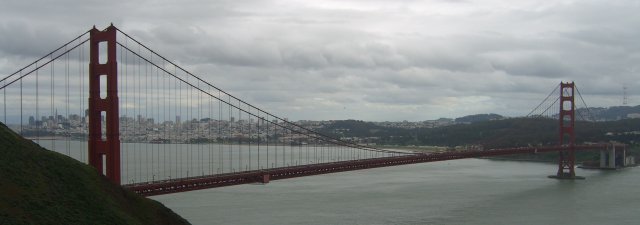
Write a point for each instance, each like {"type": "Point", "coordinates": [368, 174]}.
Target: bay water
{"type": "Point", "coordinates": [467, 191]}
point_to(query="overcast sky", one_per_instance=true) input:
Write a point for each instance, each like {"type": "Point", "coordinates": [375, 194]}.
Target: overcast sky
{"type": "Point", "coordinates": [369, 60]}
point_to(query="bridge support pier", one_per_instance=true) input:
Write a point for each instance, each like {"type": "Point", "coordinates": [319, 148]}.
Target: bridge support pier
{"type": "Point", "coordinates": [265, 178]}
{"type": "Point", "coordinates": [612, 158]}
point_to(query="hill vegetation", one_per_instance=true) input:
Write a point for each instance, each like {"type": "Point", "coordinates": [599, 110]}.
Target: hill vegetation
{"type": "Point", "coordinates": [611, 113]}
{"type": "Point", "coordinates": [489, 134]}
{"type": "Point", "coordinates": [513, 132]}
{"type": "Point", "coordinates": [38, 186]}
{"type": "Point", "coordinates": [478, 118]}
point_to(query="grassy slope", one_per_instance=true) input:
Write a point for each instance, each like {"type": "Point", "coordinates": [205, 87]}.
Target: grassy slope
{"type": "Point", "coordinates": [38, 186]}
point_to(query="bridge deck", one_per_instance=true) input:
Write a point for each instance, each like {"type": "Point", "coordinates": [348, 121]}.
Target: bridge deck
{"type": "Point", "coordinates": [257, 176]}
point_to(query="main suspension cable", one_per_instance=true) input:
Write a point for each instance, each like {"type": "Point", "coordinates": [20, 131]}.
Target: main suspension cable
{"type": "Point", "coordinates": [336, 141]}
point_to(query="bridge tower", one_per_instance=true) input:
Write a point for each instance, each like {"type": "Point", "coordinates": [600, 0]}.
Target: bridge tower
{"type": "Point", "coordinates": [567, 135]}
{"type": "Point", "coordinates": [104, 150]}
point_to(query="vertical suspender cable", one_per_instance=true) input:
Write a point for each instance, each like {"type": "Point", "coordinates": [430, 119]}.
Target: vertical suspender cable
{"type": "Point", "coordinates": [196, 130]}
{"type": "Point", "coordinates": [82, 106]}
{"type": "Point", "coordinates": [210, 129]}
{"type": "Point", "coordinates": [284, 140]}
{"type": "Point", "coordinates": [306, 161]}
{"type": "Point", "coordinates": [220, 136]}
{"type": "Point", "coordinates": [143, 123]}
{"type": "Point", "coordinates": [152, 117]}
{"type": "Point", "coordinates": [191, 127]}
{"type": "Point", "coordinates": [179, 106]}
{"type": "Point", "coordinates": [124, 64]}
{"type": "Point", "coordinates": [200, 132]}
{"type": "Point", "coordinates": [164, 124]}
{"type": "Point", "coordinates": [299, 141]}
{"type": "Point", "coordinates": [250, 135]}
{"type": "Point", "coordinates": [156, 121]}
{"type": "Point", "coordinates": [177, 125]}
{"type": "Point", "coordinates": [137, 127]}
{"type": "Point", "coordinates": [189, 94]}
{"type": "Point", "coordinates": [66, 70]}
{"type": "Point", "coordinates": [268, 129]}
{"type": "Point", "coordinates": [230, 130]}
{"type": "Point", "coordinates": [21, 107]}
{"type": "Point", "coordinates": [241, 134]}
{"type": "Point", "coordinates": [55, 117]}
{"type": "Point", "coordinates": [276, 142]}
{"type": "Point", "coordinates": [258, 135]}
{"type": "Point", "coordinates": [339, 152]}
{"type": "Point", "coordinates": [174, 132]}
{"type": "Point", "coordinates": [4, 103]}
{"type": "Point", "coordinates": [209, 137]}
{"type": "Point", "coordinates": [37, 106]}
{"type": "Point", "coordinates": [290, 145]}
{"type": "Point", "coordinates": [148, 116]}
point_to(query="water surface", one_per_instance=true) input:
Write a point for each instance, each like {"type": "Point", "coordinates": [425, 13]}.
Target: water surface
{"type": "Point", "coordinates": [469, 191]}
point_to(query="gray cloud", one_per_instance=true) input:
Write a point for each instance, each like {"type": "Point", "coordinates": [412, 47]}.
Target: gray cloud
{"type": "Point", "coordinates": [374, 60]}
{"type": "Point", "coordinates": [533, 65]}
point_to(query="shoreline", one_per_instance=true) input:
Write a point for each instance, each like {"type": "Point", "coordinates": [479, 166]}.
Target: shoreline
{"type": "Point", "coordinates": [518, 160]}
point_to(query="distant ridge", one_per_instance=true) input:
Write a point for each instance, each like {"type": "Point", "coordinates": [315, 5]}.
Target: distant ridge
{"type": "Point", "coordinates": [479, 118]}
{"type": "Point", "coordinates": [611, 113]}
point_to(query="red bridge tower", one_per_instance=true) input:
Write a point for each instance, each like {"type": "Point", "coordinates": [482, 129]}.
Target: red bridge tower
{"type": "Point", "coordinates": [567, 158]}
{"type": "Point", "coordinates": [104, 150]}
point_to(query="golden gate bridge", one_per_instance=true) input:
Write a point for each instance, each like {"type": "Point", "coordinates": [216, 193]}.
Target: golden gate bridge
{"type": "Point", "coordinates": [154, 127]}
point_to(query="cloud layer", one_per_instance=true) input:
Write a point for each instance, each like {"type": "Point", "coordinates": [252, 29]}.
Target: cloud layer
{"type": "Point", "coordinates": [371, 60]}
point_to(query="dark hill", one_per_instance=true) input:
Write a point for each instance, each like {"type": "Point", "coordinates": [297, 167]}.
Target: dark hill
{"type": "Point", "coordinates": [610, 113]}
{"type": "Point", "coordinates": [478, 118]}
{"type": "Point", "coordinates": [494, 134]}
{"type": "Point", "coordinates": [38, 186]}
{"type": "Point", "coordinates": [511, 132]}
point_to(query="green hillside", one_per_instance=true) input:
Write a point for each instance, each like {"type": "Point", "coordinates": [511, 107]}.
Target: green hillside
{"type": "Point", "coordinates": [490, 134]}
{"type": "Point", "coordinates": [513, 132]}
{"type": "Point", "coordinates": [38, 186]}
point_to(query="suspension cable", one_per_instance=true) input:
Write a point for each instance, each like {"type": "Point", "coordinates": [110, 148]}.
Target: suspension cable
{"type": "Point", "coordinates": [585, 105]}
{"type": "Point", "coordinates": [327, 138]}
{"type": "Point", "coordinates": [45, 56]}
{"type": "Point", "coordinates": [38, 67]}
{"type": "Point", "coordinates": [543, 101]}
{"type": "Point", "coordinates": [231, 96]}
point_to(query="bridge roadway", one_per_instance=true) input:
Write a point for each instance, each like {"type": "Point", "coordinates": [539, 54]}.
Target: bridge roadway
{"type": "Point", "coordinates": [265, 175]}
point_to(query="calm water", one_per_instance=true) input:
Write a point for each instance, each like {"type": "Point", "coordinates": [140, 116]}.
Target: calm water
{"type": "Point", "coordinates": [142, 162]}
{"type": "Point", "coordinates": [471, 191]}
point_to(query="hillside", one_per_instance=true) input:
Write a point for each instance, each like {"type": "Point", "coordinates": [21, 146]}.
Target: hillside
{"type": "Point", "coordinates": [512, 132]}
{"type": "Point", "coordinates": [611, 113]}
{"type": "Point", "coordinates": [478, 118]}
{"type": "Point", "coordinates": [490, 134]}
{"type": "Point", "coordinates": [38, 186]}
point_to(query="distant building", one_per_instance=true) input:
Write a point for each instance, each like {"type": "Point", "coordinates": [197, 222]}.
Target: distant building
{"type": "Point", "coordinates": [633, 115]}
